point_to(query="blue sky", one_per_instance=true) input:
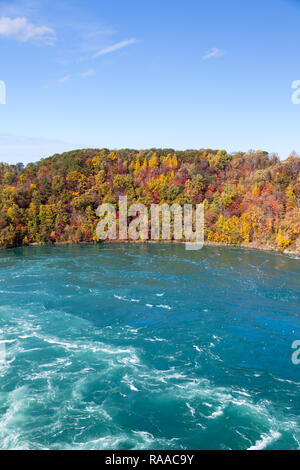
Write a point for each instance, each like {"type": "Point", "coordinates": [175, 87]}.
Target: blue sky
{"type": "Point", "coordinates": [140, 74]}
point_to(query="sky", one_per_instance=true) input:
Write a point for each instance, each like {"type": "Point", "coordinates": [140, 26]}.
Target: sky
{"type": "Point", "coordinates": [182, 74]}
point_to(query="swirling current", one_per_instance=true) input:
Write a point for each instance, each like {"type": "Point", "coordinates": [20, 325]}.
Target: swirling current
{"type": "Point", "coordinates": [148, 346]}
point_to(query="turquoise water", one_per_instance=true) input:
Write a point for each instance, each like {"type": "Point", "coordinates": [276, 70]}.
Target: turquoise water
{"type": "Point", "coordinates": [148, 347]}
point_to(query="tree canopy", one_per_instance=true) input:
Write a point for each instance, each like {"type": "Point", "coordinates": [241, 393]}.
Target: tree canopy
{"type": "Point", "coordinates": [249, 197]}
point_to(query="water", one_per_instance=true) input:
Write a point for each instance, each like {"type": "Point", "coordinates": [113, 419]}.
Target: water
{"type": "Point", "coordinates": [148, 347]}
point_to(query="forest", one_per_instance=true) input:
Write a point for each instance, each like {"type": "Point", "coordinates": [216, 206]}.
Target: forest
{"type": "Point", "coordinates": [250, 199]}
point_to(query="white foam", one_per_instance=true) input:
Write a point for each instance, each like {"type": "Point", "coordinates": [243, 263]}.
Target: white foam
{"type": "Point", "coordinates": [129, 382]}
{"type": "Point", "coordinates": [192, 410]}
{"type": "Point", "coordinates": [146, 436]}
{"type": "Point", "coordinates": [216, 414]}
{"type": "Point", "coordinates": [125, 299]}
{"type": "Point", "coordinates": [155, 339]}
{"type": "Point", "coordinates": [167, 307]}
{"type": "Point", "coordinates": [265, 440]}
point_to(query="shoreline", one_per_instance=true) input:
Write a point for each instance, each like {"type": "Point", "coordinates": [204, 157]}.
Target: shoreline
{"type": "Point", "coordinates": [249, 246]}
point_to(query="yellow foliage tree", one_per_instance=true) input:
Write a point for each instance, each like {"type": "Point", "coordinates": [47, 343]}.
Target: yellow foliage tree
{"type": "Point", "coordinates": [154, 162]}
{"type": "Point", "coordinates": [282, 240]}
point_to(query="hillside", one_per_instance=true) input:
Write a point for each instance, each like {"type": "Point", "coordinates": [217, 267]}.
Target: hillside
{"type": "Point", "coordinates": [249, 197]}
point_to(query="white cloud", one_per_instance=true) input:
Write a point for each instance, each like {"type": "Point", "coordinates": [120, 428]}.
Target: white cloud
{"type": "Point", "coordinates": [60, 81]}
{"type": "Point", "coordinates": [64, 79]}
{"type": "Point", "coordinates": [89, 73]}
{"type": "Point", "coordinates": [213, 53]}
{"type": "Point", "coordinates": [22, 30]}
{"type": "Point", "coordinates": [115, 47]}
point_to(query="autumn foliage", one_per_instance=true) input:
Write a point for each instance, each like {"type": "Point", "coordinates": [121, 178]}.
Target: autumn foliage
{"type": "Point", "coordinates": [250, 198]}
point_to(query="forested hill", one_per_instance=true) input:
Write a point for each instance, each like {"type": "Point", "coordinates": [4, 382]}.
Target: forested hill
{"type": "Point", "coordinates": [249, 197]}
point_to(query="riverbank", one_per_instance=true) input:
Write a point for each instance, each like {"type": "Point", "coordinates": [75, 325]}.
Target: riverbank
{"type": "Point", "coordinates": [249, 246]}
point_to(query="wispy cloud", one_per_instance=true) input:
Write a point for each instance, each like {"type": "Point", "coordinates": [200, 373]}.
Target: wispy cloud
{"type": "Point", "coordinates": [22, 30]}
{"type": "Point", "coordinates": [115, 47]}
{"type": "Point", "coordinates": [59, 81]}
{"type": "Point", "coordinates": [213, 53]}
{"type": "Point", "coordinates": [65, 79]}
{"type": "Point", "coordinates": [88, 73]}
{"type": "Point", "coordinates": [68, 78]}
